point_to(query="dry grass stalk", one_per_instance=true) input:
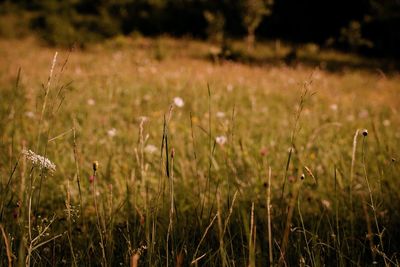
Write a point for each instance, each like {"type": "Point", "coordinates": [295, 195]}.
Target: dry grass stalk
{"type": "Point", "coordinates": [289, 217]}
{"type": "Point", "coordinates": [195, 260]}
{"type": "Point", "coordinates": [370, 234]}
{"type": "Point", "coordinates": [372, 202]}
{"type": "Point", "coordinates": [68, 209]}
{"type": "Point", "coordinates": [99, 224]}
{"type": "Point", "coordinates": [21, 215]}
{"type": "Point", "coordinates": [230, 211]}
{"type": "Point", "coordinates": [220, 231]}
{"type": "Point", "coordinates": [180, 259]}
{"type": "Point", "coordinates": [76, 160]}
{"type": "Point", "coordinates": [353, 162]}
{"type": "Point", "coordinates": [252, 239]}
{"type": "Point", "coordinates": [47, 90]}
{"type": "Point", "coordinates": [134, 260]}
{"type": "Point", "coordinates": [7, 243]}
{"type": "Point", "coordinates": [310, 173]}
{"type": "Point", "coordinates": [172, 210]}
{"type": "Point", "coordinates": [271, 258]}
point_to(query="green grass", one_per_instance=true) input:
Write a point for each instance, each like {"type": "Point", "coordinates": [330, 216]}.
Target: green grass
{"type": "Point", "coordinates": [193, 199]}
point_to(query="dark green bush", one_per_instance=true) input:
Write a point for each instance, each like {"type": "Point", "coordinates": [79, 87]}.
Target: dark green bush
{"type": "Point", "coordinates": [363, 25]}
{"type": "Point", "coordinates": [14, 23]}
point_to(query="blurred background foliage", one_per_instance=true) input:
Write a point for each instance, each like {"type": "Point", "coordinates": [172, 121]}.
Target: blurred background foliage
{"type": "Point", "coordinates": [369, 27]}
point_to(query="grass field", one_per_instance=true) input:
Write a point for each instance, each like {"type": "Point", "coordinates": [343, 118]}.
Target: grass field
{"type": "Point", "coordinates": [164, 157]}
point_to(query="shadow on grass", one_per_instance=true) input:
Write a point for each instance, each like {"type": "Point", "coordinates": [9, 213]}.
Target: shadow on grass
{"type": "Point", "coordinates": [331, 61]}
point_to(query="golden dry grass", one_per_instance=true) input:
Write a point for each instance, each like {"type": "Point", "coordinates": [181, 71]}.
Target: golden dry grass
{"type": "Point", "coordinates": [110, 89]}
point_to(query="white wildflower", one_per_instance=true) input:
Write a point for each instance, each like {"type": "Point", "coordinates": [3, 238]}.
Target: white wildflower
{"type": "Point", "coordinates": [215, 50]}
{"type": "Point", "coordinates": [112, 132]}
{"type": "Point", "coordinates": [326, 204]}
{"type": "Point", "coordinates": [178, 102]}
{"type": "Point", "coordinates": [147, 97]}
{"type": "Point", "coordinates": [30, 114]}
{"type": "Point", "coordinates": [78, 71]}
{"type": "Point", "coordinates": [91, 102]}
{"type": "Point", "coordinates": [363, 114]}
{"type": "Point", "coordinates": [350, 118]}
{"type": "Point", "coordinates": [220, 114]}
{"type": "Point", "coordinates": [143, 119]}
{"type": "Point", "coordinates": [319, 168]}
{"type": "Point", "coordinates": [39, 161]}
{"type": "Point", "coordinates": [357, 187]}
{"type": "Point", "coordinates": [150, 149]}
{"type": "Point", "coordinates": [386, 123]}
{"type": "Point", "coordinates": [221, 140]}
{"type": "Point", "coordinates": [153, 70]}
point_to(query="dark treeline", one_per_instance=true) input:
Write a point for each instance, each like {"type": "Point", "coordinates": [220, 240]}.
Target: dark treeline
{"type": "Point", "coordinates": [367, 26]}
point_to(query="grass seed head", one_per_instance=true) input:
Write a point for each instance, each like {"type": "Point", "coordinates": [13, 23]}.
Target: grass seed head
{"type": "Point", "coordinates": [95, 165]}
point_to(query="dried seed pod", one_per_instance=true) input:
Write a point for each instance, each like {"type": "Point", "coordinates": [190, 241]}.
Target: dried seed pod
{"type": "Point", "coordinates": [95, 165]}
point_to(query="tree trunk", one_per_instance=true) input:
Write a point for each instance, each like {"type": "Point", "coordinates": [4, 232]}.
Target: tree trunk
{"type": "Point", "coordinates": [250, 40]}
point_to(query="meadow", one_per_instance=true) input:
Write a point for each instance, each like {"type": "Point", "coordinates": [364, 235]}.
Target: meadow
{"type": "Point", "coordinates": [160, 153]}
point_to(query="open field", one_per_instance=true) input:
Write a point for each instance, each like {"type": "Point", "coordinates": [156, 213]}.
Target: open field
{"type": "Point", "coordinates": [196, 158]}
